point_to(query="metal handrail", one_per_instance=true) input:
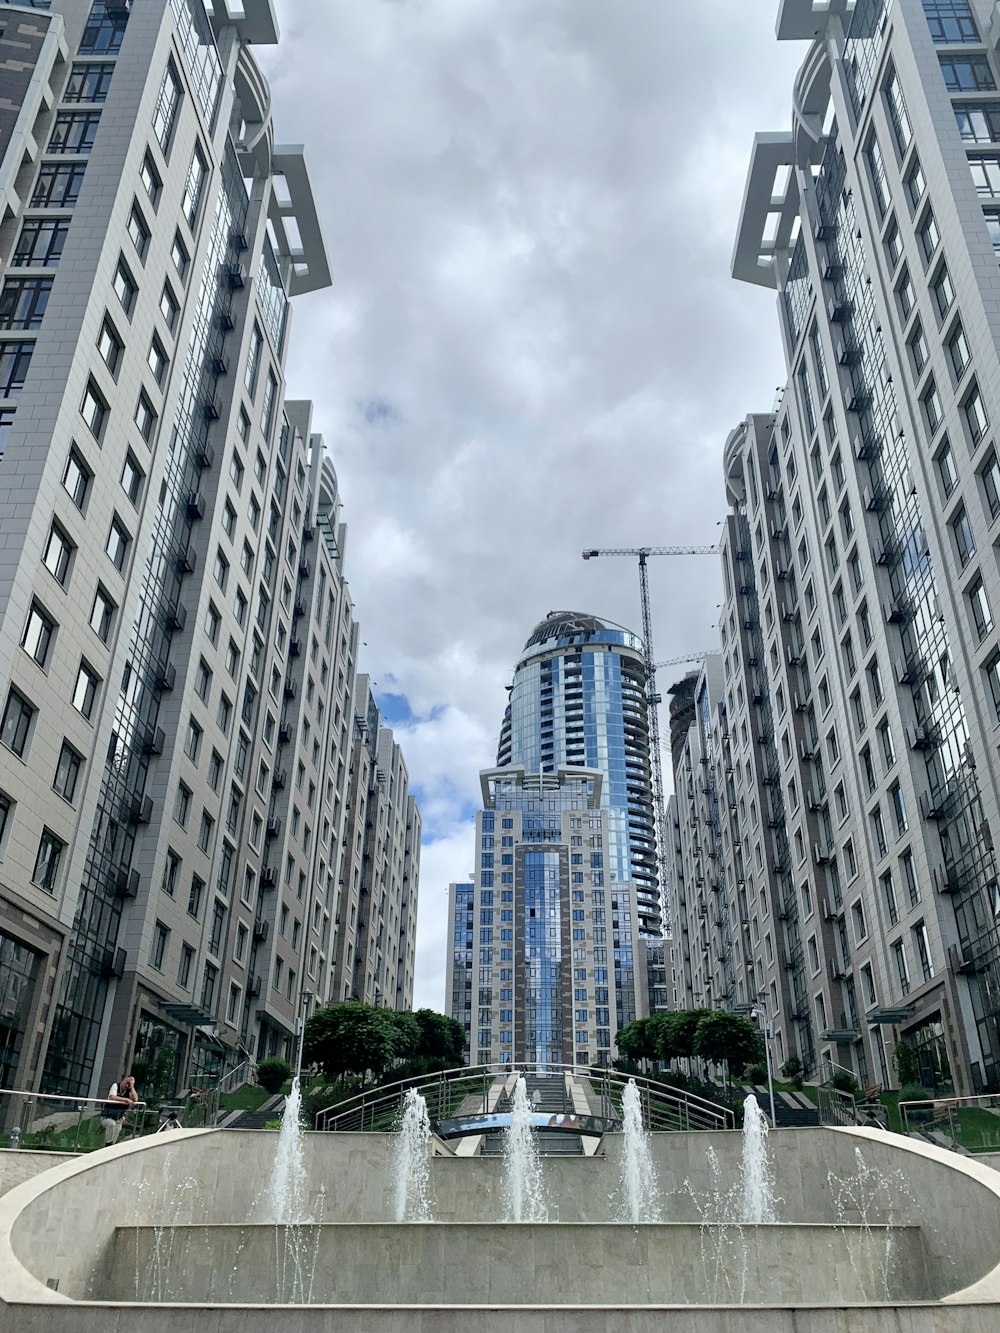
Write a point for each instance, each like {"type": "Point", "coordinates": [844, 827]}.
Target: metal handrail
{"type": "Point", "coordinates": [18, 1114]}
{"type": "Point", "coordinates": [663, 1106]}
{"type": "Point", "coordinates": [246, 1071]}
{"type": "Point", "coordinates": [942, 1110]}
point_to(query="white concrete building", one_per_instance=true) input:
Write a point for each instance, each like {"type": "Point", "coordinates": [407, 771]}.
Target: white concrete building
{"type": "Point", "coordinates": [177, 643]}
{"type": "Point", "coordinates": [855, 735]}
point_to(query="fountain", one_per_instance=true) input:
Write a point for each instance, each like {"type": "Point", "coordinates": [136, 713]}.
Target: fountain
{"type": "Point", "coordinates": [523, 1170]}
{"type": "Point", "coordinates": [412, 1161]}
{"type": "Point", "coordinates": [287, 1193]}
{"type": "Point", "coordinates": [638, 1172]}
{"type": "Point", "coordinates": [757, 1191]}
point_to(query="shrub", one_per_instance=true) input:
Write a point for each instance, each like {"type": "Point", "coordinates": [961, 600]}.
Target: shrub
{"type": "Point", "coordinates": [844, 1081]}
{"type": "Point", "coordinates": [273, 1073]}
{"type": "Point", "coordinates": [793, 1071]}
{"type": "Point", "coordinates": [756, 1073]}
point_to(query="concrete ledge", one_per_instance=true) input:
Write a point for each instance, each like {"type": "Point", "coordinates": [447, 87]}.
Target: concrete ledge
{"type": "Point", "coordinates": [515, 1263]}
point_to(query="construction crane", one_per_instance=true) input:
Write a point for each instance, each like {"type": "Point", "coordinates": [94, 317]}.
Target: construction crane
{"type": "Point", "coordinates": [688, 657]}
{"type": "Point", "coordinates": [642, 553]}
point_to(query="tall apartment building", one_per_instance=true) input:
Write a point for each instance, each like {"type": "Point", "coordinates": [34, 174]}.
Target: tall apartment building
{"type": "Point", "coordinates": [379, 874]}
{"type": "Point", "coordinates": [531, 976]}
{"type": "Point", "coordinates": [177, 643]}
{"type": "Point", "coordinates": [577, 704]}
{"type": "Point", "coordinates": [852, 739]}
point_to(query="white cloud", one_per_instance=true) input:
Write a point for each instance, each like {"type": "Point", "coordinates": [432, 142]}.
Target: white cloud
{"type": "Point", "coordinates": [532, 343]}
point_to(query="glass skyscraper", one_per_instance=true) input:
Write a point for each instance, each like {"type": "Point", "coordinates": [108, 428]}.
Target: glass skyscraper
{"type": "Point", "coordinates": [579, 698]}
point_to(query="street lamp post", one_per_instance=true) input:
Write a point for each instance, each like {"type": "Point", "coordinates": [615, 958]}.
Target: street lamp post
{"type": "Point", "coordinates": [761, 1013]}
{"type": "Point", "coordinates": [304, 999]}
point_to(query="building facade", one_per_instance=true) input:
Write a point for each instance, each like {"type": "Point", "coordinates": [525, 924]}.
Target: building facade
{"type": "Point", "coordinates": [854, 734]}
{"type": "Point", "coordinates": [177, 643]}
{"type": "Point", "coordinates": [531, 974]}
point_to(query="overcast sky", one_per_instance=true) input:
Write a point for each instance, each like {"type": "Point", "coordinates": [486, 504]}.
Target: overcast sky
{"type": "Point", "coordinates": [532, 343]}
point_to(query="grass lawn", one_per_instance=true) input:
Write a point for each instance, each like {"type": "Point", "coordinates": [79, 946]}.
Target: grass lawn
{"type": "Point", "coordinates": [247, 1098]}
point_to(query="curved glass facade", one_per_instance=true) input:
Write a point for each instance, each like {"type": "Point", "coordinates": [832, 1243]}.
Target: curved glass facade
{"type": "Point", "coordinates": [579, 699]}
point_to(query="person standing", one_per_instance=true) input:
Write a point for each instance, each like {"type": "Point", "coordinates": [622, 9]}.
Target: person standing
{"type": "Point", "coordinates": [120, 1099]}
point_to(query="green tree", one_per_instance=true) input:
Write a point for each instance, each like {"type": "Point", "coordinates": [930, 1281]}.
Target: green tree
{"type": "Point", "coordinates": [683, 1025]}
{"type": "Point", "coordinates": [636, 1041]}
{"type": "Point", "coordinates": [442, 1040]}
{"type": "Point", "coordinates": [352, 1039]}
{"type": "Point", "coordinates": [272, 1073]}
{"type": "Point", "coordinates": [407, 1030]}
{"type": "Point", "coordinates": [726, 1038]}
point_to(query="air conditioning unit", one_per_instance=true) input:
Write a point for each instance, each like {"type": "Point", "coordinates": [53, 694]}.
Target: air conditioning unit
{"type": "Point", "coordinates": [778, 531]}
{"type": "Point", "coordinates": [872, 500]}
{"type": "Point", "coordinates": [280, 780]}
{"type": "Point", "coordinates": [237, 277]}
{"type": "Point", "coordinates": [943, 879]}
{"type": "Point", "coordinates": [859, 402]}
{"type": "Point", "coordinates": [864, 447]}
{"type": "Point", "coordinates": [187, 560]}
{"type": "Point", "coordinates": [269, 878]}
{"type": "Point", "coordinates": [807, 749]}
{"type": "Point", "coordinates": [896, 611]}
{"type": "Point", "coordinates": [260, 931]}
{"type": "Point", "coordinates": [211, 408]}
{"type": "Point", "coordinates": [772, 495]}
{"type": "Point", "coordinates": [273, 827]}
{"type": "Point", "coordinates": [837, 311]}
{"type": "Point", "coordinates": [929, 807]}
{"type": "Point", "coordinates": [920, 738]}
{"type": "Point", "coordinates": [824, 231]}
{"type": "Point", "coordinates": [828, 913]}
{"type": "Point", "coordinates": [165, 678]}
{"type": "Point", "coordinates": [139, 810]}
{"type": "Point", "coordinates": [205, 456]}
{"type": "Point", "coordinates": [846, 354]}
{"type": "Point", "coordinates": [814, 801]}
{"type": "Point", "coordinates": [822, 853]}
{"type": "Point", "coordinates": [196, 506]}
{"type": "Point", "coordinates": [154, 741]}
{"type": "Point", "coordinates": [834, 970]}
{"type": "Point", "coordinates": [111, 963]}
{"type": "Point", "coordinates": [253, 990]}
{"type": "Point", "coordinates": [781, 574]}
{"type": "Point", "coordinates": [799, 702]}
{"type": "Point", "coordinates": [793, 657]}
{"type": "Point", "coordinates": [831, 270]}
{"type": "Point", "coordinates": [174, 617]}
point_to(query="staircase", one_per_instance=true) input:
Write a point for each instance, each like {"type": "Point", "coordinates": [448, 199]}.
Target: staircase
{"type": "Point", "coordinates": [270, 1110]}
{"type": "Point", "coordinates": [792, 1110]}
{"type": "Point", "coordinates": [547, 1095]}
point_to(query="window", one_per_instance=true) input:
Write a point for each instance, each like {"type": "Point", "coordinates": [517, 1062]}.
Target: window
{"type": "Point", "coordinates": [23, 302]}
{"type": "Point", "coordinates": [878, 832]}
{"type": "Point", "coordinates": [967, 74]}
{"type": "Point", "coordinates": [944, 293]}
{"type": "Point", "coordinates": [169, 307]}
{"type": "Point", "coordinates": [203, 680]}
{"type": "Point", "coordinates": [132, 478]}
{"type": "Point", "coordinates": [893, 244]}
{"type": "Point", "coordinates": [253, 360]}
{"type": "Point", "coordinates": [74, 132]}
{"type": "Point", "coordinates": [215, 770]}
{"type": "Point", "coordinates": [213, 619]}
{"type": "Point", "coordinates": [15, 361]}
{"type": "Point", "coordinates": [224, 716]}
{"type": "Point", "coordinates": [986, 176]}
{"type": "Point", "coordinates": [58, 184]}
{"type": "Point", "coordinates": [145, 416]}
{"type": "Point", "coordinates": [958, 350]}
{"type": "Point", "coordinates": [138, 231]}
{"type": "Point", "coordinates": [232, 658]}
{"type": "Point", "coordinates": [950, 21]}
{"type": "Point", "coordinates": [150, 178]}
{"type": "Point", "coordinates": [876, 168]}
{"type": "Point", "coordinates": [918, 348]}
{"type": "Point", "coordinates": [946, 468]}
{"type": "Point", "coordinates": [206, 832]}
{"type": "Point", "coordinates": [102, 615]}
{"type": "Point", "coordinates": [46, 871]}
{"type": "Point", "coordinates": [915, 187]}
{"type": "Point", "coordinates": [932, 407]}
{"type": "Point", "coordinates": [898, 118]}
{"type": "Point", "coordinates": [221, 570]}
{"type": "Point", "coordinates": [85, 690]}
{"type": "Point", "coordinates": [16, 723]}
{"type": "Point", "coordinates": [975, 414]}
{"type": "Point", "coordinates": [267, 411]}
{"type": "Point", "coordinates": [889, 897]}
{"type": "Point", "coordinates": [192, 741]}
{"type": "Point", "coordinates": [243, 425]}
{"type": "Point", "coordinates": [858, 917]}
{"type": "Point", "coordinates": [94, 410]}
{"type": "Point", "coordinates": [182, 804]}
{"type": "Point", "coordinates": [40, 243]}
{"type": "Point", "coordinates": [978, 122]}
{"type": "Point", "coordinates": [195, 896]}
{"type": "Point", "coordinates": [989, 475]}
{"type": "Point", "coordinates": [88, 83]}
{"type": "Point", "coordinates": [125, 287]}
{"type": "Point", "coordinates": [194, 187]}
{"type": "Point", "coordinates": [104, 30]}
{"type": "Point", "coordinates": [898, 805]}
{"type": "Point", "coordinates": [236, 471]}
{"type": "Point", "coordinates": [179, 256]}
{"type": "Point", "coordinates": [38, 634]}
{"type": "Point", "coordinates": [167, 104]}
{"type": "Point", "coordinates": [979, 607]}
{"type": "Point", "coordinates": [902, 970]}
{"type": "Point", "coordinates": [184, 971]}
{"type": "Point", "coordinates": [961, 530]}
{"type": "Point", "coordinates": [904, 292]}
{"type": "Point", "coordinates": [208, 984]}
{"type": "Point", "coordinates": [110, 346]}
{"type": "Point", "coordinates": [910, 878]}
{"type": "Point", "coordinates": [159, 950]}
{"type": "Point", "coordinates": [171, 873]}
{"type": "Point", "coordinates": [58, 554]}
{"type": "Point", "coordinates": [157, 360]}
{"type": "Point", "coordinates": [886, 745]}
{"type": "Point", "coordinates": [118, 544]}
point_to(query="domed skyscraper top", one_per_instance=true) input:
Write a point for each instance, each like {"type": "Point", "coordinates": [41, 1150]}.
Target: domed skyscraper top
{"type": "Point", "coordinates": [579, 698]}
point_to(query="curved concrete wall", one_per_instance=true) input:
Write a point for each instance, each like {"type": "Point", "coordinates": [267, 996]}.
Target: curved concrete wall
{"type": "Point", "coordinates": [59, 1227]}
